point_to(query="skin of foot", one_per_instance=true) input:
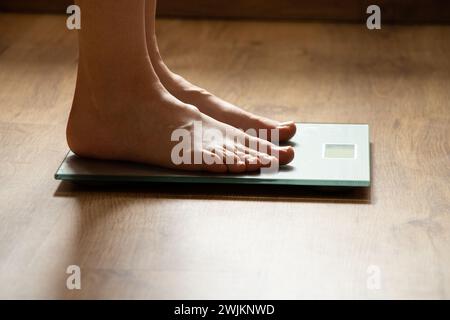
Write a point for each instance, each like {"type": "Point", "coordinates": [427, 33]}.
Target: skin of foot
{"type": "Point", "coordinates": [119, 120]}
{"type": "Point", "coordinates": [206, 102]}
{"type": "Point", "coordinates": [121, 110]}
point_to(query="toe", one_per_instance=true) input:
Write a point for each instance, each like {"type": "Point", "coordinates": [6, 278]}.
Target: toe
{"type": "Point", "coordinates": [233, 161]}
{"type": "Point", "coordinates": [252, 163]}
{"type": "Point", "coordinates": [213, 163]}
{"type": "Point", "coordinates": [268, 160]}
{"type": "Point", "coordinates": [284, 154]}
{"type": "Point", "coordinates": [238, 167]}
{"type": "Point", "coordinates": [251, 158]}
{"type": "Point", "coordinates": [286, 130]}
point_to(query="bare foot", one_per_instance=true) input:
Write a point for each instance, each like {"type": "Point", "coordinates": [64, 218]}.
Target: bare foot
{"type": "Point", "coordinates": [206, 102]}
{"type": "Point", "coordinates": [216, 107]}
{"type": "Point", "coordinates": [131, 116]}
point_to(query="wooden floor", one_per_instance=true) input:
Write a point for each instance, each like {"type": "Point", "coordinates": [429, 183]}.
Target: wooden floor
{"type": "Point", "coordinates": [222, 243]}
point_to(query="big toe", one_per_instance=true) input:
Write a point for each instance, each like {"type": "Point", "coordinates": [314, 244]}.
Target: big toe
{"type": "Point", "coordinates": [286, 130]}
{"type": "Point", "coordinates": [286, 155]}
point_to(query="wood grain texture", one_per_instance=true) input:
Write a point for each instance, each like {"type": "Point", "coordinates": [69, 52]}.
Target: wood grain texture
{"type": "Point", "coordinates": [188, 244]}
{"type": "Point", "coordinates": [411, 11]}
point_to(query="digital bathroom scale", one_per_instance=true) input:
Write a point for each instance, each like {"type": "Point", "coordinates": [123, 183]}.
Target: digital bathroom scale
{"type": "Point", "coordinates": [325, 155]}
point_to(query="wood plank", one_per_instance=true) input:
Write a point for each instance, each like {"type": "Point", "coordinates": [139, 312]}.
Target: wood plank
{"type": "Point", "coordinates": [412, 11]}
{"type": "Point", "coordinates": [189, 244]}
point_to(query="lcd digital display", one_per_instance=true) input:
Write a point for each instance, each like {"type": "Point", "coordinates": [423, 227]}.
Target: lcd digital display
{"type": "Point", "coordinates": [346, 151]}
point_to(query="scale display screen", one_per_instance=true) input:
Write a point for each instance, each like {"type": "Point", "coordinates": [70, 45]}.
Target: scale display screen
{"type": "Point", "coordinates": [343, 151]}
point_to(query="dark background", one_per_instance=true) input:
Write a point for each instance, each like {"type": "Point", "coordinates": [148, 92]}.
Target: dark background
{"type": "Point", "coordinates": [399, 11]}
